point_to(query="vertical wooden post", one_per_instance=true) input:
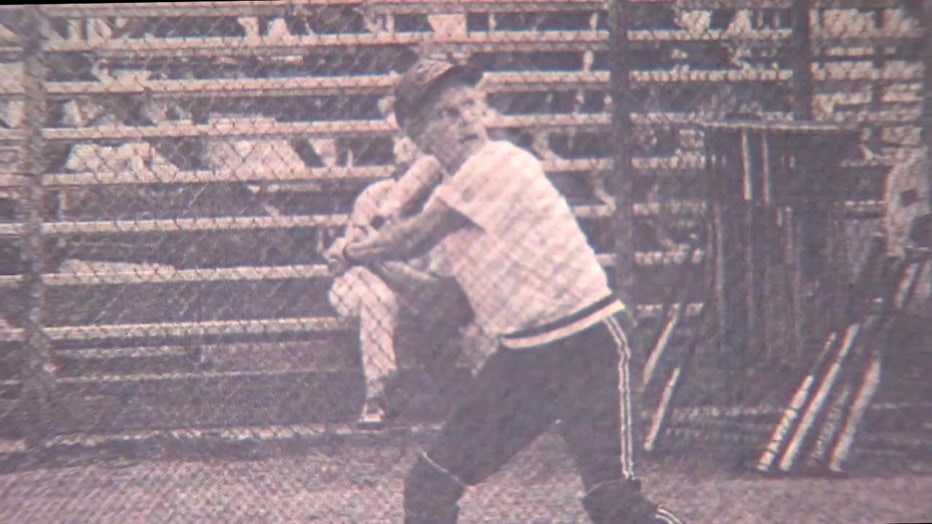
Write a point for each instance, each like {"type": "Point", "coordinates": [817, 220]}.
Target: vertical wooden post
{"type": "Point", "coordinates": [926, 123]}
{"type": "Point", "coordinates": [802, 60]}
{"type": "Point", "coordinates": [38, 363]}
{"type": "Point", "coordinates": [622, 182]}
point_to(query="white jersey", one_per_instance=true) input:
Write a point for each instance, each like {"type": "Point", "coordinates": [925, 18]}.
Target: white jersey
{"type": "Point", "coordinates": [524, 261]}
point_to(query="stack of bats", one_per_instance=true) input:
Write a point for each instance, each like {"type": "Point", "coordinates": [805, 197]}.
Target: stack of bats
{"type": "Point", "coordinates": [818, 427]}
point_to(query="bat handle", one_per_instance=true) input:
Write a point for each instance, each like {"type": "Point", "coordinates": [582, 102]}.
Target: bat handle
{"type": "Point", "coordinates": [660, 416]}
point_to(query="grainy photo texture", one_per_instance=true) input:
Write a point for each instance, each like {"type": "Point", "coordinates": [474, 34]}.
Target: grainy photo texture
{"type": "Point", "coordinates": [463, 261]}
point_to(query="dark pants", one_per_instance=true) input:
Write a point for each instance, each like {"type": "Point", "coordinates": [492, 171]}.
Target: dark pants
{"type": "Point", "coordinates": [581, 380]}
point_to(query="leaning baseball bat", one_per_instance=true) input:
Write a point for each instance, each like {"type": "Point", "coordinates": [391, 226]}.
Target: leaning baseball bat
{"type": "Point", "coordinates": [674, 317]}
{"type": "Point", "coordinates": [792, 412]}
{"type": "Point", "coordinates": [659, 420]}
{"type": "Point", "coordinates": [814, 407]}
{"type": "Point", "coordinates": [902, 293]}
{"type": "Point", "coordinates": [862, 399]}
{"type": "Point", "coordinates": [662, 342]}
{"type": "Point", "coordinates": [830, 426]}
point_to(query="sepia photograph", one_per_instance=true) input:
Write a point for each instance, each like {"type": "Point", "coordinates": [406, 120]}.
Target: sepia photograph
{"type": "Point", "coordinates": [466, 261]}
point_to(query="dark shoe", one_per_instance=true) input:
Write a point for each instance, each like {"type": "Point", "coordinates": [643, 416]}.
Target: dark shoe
{"type": "Point", "coordinates": [431, 494]}
{"type": "Point", "coordinates": [621, 502]}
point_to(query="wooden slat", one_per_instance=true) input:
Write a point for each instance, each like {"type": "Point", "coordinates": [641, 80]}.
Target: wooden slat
{"type": "Point", "coordinates": [592, 211]}
{"type": "Point", "coordinates": [684, 76]}
{"type": "Point", "coordinates": [173, 225]}
{"type": "Point", "coordinates": [12, 181]}
{"type": "Point", "coordinates": [483, 6]}
{"type": "Point", "coordinates": [257, 128]}
{"type": "Point", "coordinates": [890, 116]}
{"type": "Point", "coordinates": [303, 180]}
{"type": "Point", "coordinates": [643, 311]}
{"type": "Point", "coordinates": [12, 335]}
{"type": "Point", "coordinates": [868, 163]}
{"type": "Point", "coordinates": [10, 280]}
{"type": "Point", "coordinates": [12, 135]}
{"type": "Point", "coordinates": [687, 207]}
{"type": "Point", "coordinates": [575, 121]}
{"type": "Point", "coordinates": [11, 229]}
{"type": "Point", "coordinates": [682, 35]}
{"type": "Point", "coordinates": [654, 258]}
{"type": "Point", "coordinates": [576, 165]}
{"type": "Point", "coordinates": [865, 4]}
{"type": "Point", "coordinates": [683, 162]}
{"type": "Point", "coordinates": [775, 126]}
{"type": "Point", "coordinates": [273, 7]}
{"type": "Point", "coordinates": [189, 375]}
{"type": "Point", "coordinates": [253, 273]}
{"type": "Point", "coordinates": [172, 275]}
{"type": "Point", "coordinates": [196, 329]}
{"type": "Point", "coordinates": [191, 224]}
{"type": "Point", "coordinates": [262, 46]}
{"type": "Point", "coordinates": [305, 86]}
{"type": "Point", "coordinates": [184, 9]}
{"type": "Point", "coordinates": [290, 86]}
{"type": "Point", "coordinates": [672, 207]}
{"type": "Point", "coordinates": [667, 258]}
{"type": "Point", "coordinates": [311, 85]}
{"type": "Point", "coordinates": [867, 208]}
{"type": "Point", "coordinates": [237, 327]}
{"type": "Point", "coordinates": [721, 4]}
{"type": "Point", "coordinates": [863, 75]}
{"type": "Point", "coordinates": [681, 118]}
{"type": "Point", "coordinates": [325, 128]}
{"type": "Point", "coordinates": [820, 36]}
{"type": "Point", "coordinates": [873, 37]}
{"type": "Point", "coordinates": [591, 121]}
{"type": "Point", "coordinates": [261, 174]}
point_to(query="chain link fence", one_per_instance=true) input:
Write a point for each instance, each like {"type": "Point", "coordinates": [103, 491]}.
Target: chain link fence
{"type": "Point", "coordinates": [175, 175]}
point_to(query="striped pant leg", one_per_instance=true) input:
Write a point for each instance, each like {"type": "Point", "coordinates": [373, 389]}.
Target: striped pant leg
{"type": "Point", "coordinates": [596, 409]}
{"type": "Point", "coordinates": [626, 411]}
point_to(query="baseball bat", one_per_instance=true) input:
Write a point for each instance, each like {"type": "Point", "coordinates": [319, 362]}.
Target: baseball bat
{"type": "Point", "coordinates": [814, 407]}
{"type": "Point", "coordinates": [830, 426]}
{"type": "Point", "coordinates": [662, 342]}
{"type": "Point", "coordinates": [662, 413]}
{"type": "Point", "coordinates": [900, 297]}
{"type": "Point", "coordinates": [663, 409]}
{"type": "Point", "coordinates": [792, 412]}
{"type": "Point", "coordinates": [862, 399]}
{"type": "Point", "coordinates": [674, 317]}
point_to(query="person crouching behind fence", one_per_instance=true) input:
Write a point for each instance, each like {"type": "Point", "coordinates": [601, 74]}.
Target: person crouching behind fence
{"type": "Point", "coordinates": [400, 296]}
{"type": "Point", "coordinates": [509, 238]}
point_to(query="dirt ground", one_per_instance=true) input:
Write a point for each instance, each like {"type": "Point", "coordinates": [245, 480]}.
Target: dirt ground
{"type": "Point", "coordinates": [362, 484]}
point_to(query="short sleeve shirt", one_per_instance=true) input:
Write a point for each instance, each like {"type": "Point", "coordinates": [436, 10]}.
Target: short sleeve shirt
{"type": "Point", "coordinates": [523, 261]}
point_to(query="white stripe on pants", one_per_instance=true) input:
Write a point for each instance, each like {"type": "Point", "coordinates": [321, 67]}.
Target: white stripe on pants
{"type": "Point", "coordinates": [624, 395]}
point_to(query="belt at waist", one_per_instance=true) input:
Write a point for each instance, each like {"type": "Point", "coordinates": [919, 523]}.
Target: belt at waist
{"type": "Point", "coordinates": [563, 327]}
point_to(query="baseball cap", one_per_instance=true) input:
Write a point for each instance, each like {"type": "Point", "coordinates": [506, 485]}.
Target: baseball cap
{"type": "Point", "coordinates": [418, 80]}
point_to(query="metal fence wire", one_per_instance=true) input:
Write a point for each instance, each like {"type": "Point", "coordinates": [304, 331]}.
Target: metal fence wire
{"type": "Point", "coordinates": [175, 174]}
